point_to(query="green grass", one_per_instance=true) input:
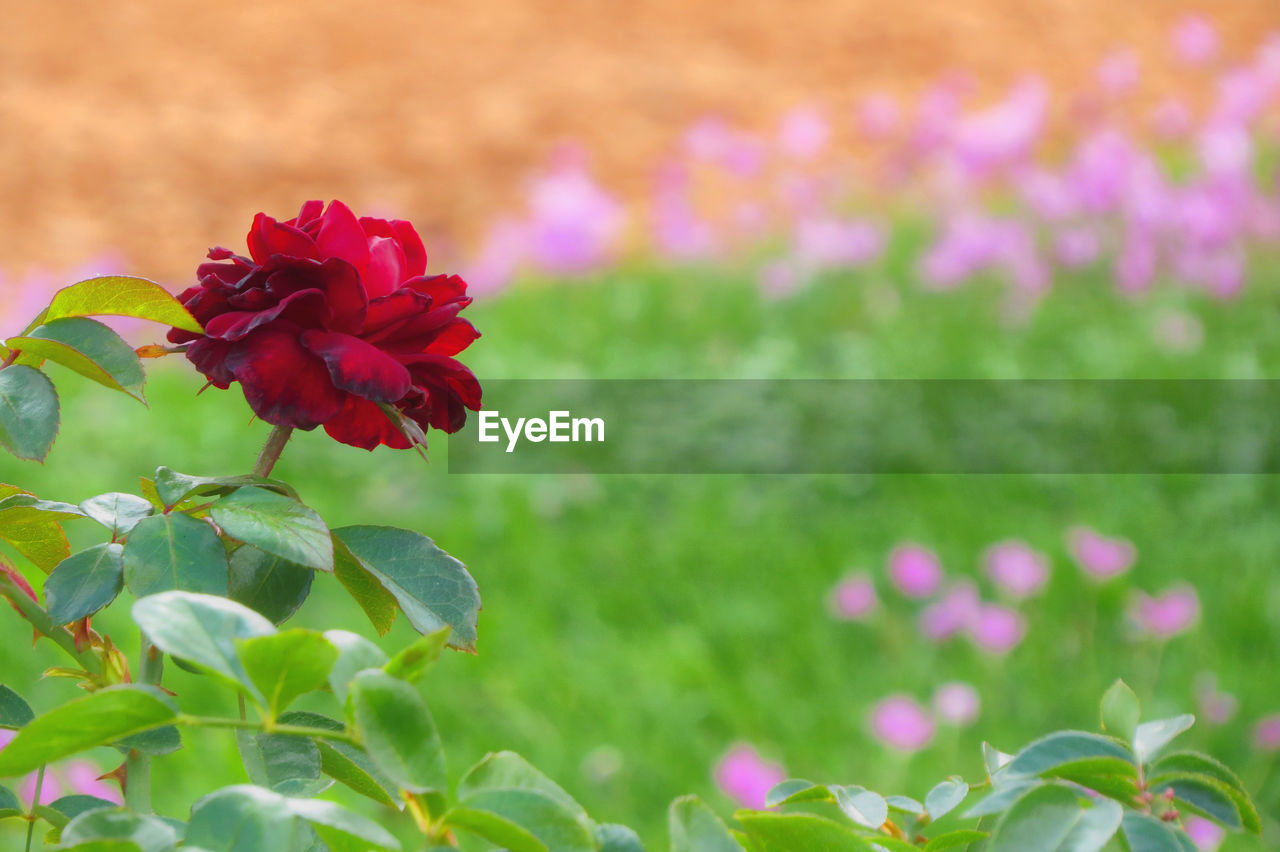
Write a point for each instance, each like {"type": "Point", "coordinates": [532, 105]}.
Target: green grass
{"type": "Point", "coordinates": [634, 627]}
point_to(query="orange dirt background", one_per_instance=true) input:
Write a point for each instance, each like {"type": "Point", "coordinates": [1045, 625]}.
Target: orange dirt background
{"type": "Point", "coordinates": [159, 128]}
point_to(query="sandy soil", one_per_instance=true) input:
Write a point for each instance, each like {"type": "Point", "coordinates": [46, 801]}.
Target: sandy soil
{"type": "Point", "coordinates": [157, 129]}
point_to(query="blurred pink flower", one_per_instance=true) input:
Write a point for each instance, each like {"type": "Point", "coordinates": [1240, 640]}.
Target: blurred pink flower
{"type": "Point", "coordinates": [1018, 569]}
{"type": "Point", "coordinates": [957, 704]}
{"type": "Point", "coordinates": [495, 265]}
{"type": "Point", "coordinates": [901, 723]}
{"type": "Point", "coordinates": [778, 279]}
{"type": "Point", "coordinates": [744, 776]}
{"type": "Point", "coordinates": [997, 629]}
{"type": "Point", "coordinates": [1168, 614]}
{"type": "Point", "coordinates": [1195, 40]}
{"type": "Point", "coordinates": [1266, 733]}
{"type": "Point", "coordinates": [574, 226]}
{"type": "Point", "coordinates": [803, 132]}
{"type": "Point", "coordinates": [1179, 331]}
{"type": "Point", "coordinates": [854, 597]}
{"type": "Point", "coordinates": [1135, 265]}
{"type": "Point", "coordinates": [954, 613]}
{"type": "Point", "coordinates": [1099, 556]}
{"type": "Point", "coordinates": [64, 779]}
{"type": "Point", "coordinates": [1215, 706]}
{"type": "Point", "coordinates": [1171, 118]}
{"type": "Point", "coordinates": [1206, 835]}
{"type": "Point", "coordinates": [1118, 74]}
{"type": "Point", "coordinates": [915, 570]}
{"type": "Point", "coordinates": [1005, 133]}
{"type": "Point", "coordinates": [1077, 246]}
{"type": "Point", "coordinates": [878, 115]}
{"type": "Point", "coordinates": [822, 242]}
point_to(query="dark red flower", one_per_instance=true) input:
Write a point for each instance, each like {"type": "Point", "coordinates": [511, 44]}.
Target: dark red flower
{"type": "Point", "coordinates": [329, 320]}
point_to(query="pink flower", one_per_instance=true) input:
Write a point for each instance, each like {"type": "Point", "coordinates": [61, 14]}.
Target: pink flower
{"type": "Point", "coordinates": [1179, 331]}
{"type": "Point", "coordinates": [1016, 568]}
{"type": "Point", "coordinates": [74, 776]}
{"type": "Point", "coordinates": [854, 598]}
{"type": "Point", "coordinates": [997, 629]}
{"type": "Point", "coordinates": [1195, 40]}
{"type": "Point", "coordinates": [803, 132]}
{"type": "Point", "coordinates": [1168, 614]}
{"type": "Point", "coordinates": [574, 226]}
{"type": "Point", "coordinates": [901, 723]}
{"type": "Point", "coordinates": [744, 776]}
{"type": "Point", "coordinates": [915, 570]}
{"type": "Point", "coordinates": [1206, 835]}
{"type": "Point", "coordinates": [778, 279]}
{"type": "Point", "coordinates": [1216, 706]}
{"type": "Point", "coordinates": [822, 242]}
{"type": "Point", "coordinates": [1171, 118]}
{"type": "Point", "coordinates": [956, 704]}
{"type": "Point", "coordinates": [878, 115]}
{"type": "Point", "coordinates": [954, 613]}
{"type": "Point", "coordinates": [1099, 556]}
{"type": "Point", "coordinates": [1119, 71]}
{"type": "Point", "coordinates": [1266, 733]}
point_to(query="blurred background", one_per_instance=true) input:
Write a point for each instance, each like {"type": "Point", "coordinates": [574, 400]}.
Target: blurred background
{"type": "Point", "coordinates": [661, 189]}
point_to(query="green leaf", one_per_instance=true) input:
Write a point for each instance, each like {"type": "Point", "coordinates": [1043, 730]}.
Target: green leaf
{"type": "Point", "coordinates": [1204, 796]}
{"type": "Point", "coordinates": [14, 710]}
{"type": "Point", "coordinates": [1072, 754]}
{"type": "Point", "coordinates": [121, 296]}
{"type": "Point", "coordinates": [173, 487]}
{"type": "Point", "coordinates": [953, 839]}
{"type": "Point", "coordinates": [288, 764]}
{"type": "Point", "coordinates": [28, 412]}
{"type": "Point", "coordinates": [117, 511]}
{"type": "Point", "coordinates": [254, 819]}
{"type": "Point", "coordinates": [1190, 763]}
{"type": "Point", "coordinates": [267, 584]}
{"type": "Point", "coordinates": [276, 524]}
{"type": "Point", "coordinates": [149, 834]}
{"type": "Point", "coordinates": [344, 762]}
{"type": "Point", "coordinates": [861, 805]}
{"type": "Point", "coordinates": [286, 665]}
{"type": "Point", "coordinates": [611, 837]}
{"type": "Point", "coordinates": [398, 732]}
{"type": "Point", "coordinates": [84, 583]}
{"type": "Point", "coordinates": [694, 827]}
{"type": "Point", "coordinates": [1145, 833]}
{"type": "Point", "coordinates": [68, 808]}
{"type": "Point", "coordinates": [796, 790]}
{"type": "Point", "coordinates": [355, 654]}
{"type": "Point", "coordinates": [157, 741]}
{"type": "Point", "coordinates": [202, 630]}
{"type": "Point", "coordinates": [91, 720]}
{"type": "Point", "coordinates": [9, 802]}
{"type": "Point", "coordinates": [168, 552]}
{"type": "Point", "coordinates": [432, 588]}
{"type": "Point", "coordinates": [413, 662]}
{"type": "Point", "coordinates": [994, 759]}
{"type": "Point", "coordinates": [1002, 798]}
{"type": "Point", "coordinates": [364, 588]}
{"type": "Point", "coordinates": [506, 770]}
{"type": "Point", "coordinates": [1055, 818]}
{"type": "Point", "coordinates": [945, 797]}
{"type": "Point", "coordinates": [1120, 711]}
{"type": "Point", "coordinates": [106, 846]}
{"type": "Point", "coordinates": [522, 820]}
{"type": "Point", "coordinates": [1150, 737]}
{"type": "Point", "coordinates": [89, 348]}
{"type": "Point", "coordinates": [788, 832]}
{"type": "Point", "coordinates": [904, 804]}
{"type": "Point", "coordinates": [34, 531]}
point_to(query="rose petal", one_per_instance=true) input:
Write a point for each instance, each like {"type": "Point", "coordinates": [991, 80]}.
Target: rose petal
{"type": "Point", "coordinates": [363, 424]}
{"type": "Point", "coordinates": [441, 288]}
{"type": "Point", "coordinates": [306, 305]}
{"type": "Point", "coordinates": [386, 267]}
{"type": "Point", "coordinates": [340, 235]}
{"type": "Point", "coordinates": [284, 383]}
{"type": "Point", "coordinates": [309, 213]}
{"type": "Point", "coordinates": [268, 237]}
{"type": "Point", "coordinates": [209, 356]}
{"type": "Point", "coordinates": [453, 338]}
{"type": "Point", "coordinates": [452, 374]}
{"type": "Point", "coordinates": [415, 254]}
{"type": "Point", "coordinates": [359, 367]}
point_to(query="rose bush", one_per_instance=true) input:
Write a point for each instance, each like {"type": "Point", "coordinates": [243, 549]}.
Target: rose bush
{"type": "Point", "coordinates": [332, 321]}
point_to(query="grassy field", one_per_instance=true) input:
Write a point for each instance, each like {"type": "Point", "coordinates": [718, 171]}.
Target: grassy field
{"type": "Point", "coordinates": [636, 626]}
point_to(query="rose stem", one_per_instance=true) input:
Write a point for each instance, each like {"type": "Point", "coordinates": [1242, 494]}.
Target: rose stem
{"type": "Point", "coordinates": [271, 452]}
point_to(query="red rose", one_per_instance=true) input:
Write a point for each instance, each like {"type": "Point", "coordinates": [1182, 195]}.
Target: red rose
{"type": "Point", "coordinates": [329, 317]}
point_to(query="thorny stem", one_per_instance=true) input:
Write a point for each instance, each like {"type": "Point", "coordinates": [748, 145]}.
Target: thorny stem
{"type": "Point", "coordinates": [137, 766]}
{"type": "Point", "coordinates": [13, 356]}
{"type": "Point", "coordinates": [39, 619]}
{"type": "Point", "coordinates": [35, 800]}
{"type": "Point", "coordinates": [271, 452]}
